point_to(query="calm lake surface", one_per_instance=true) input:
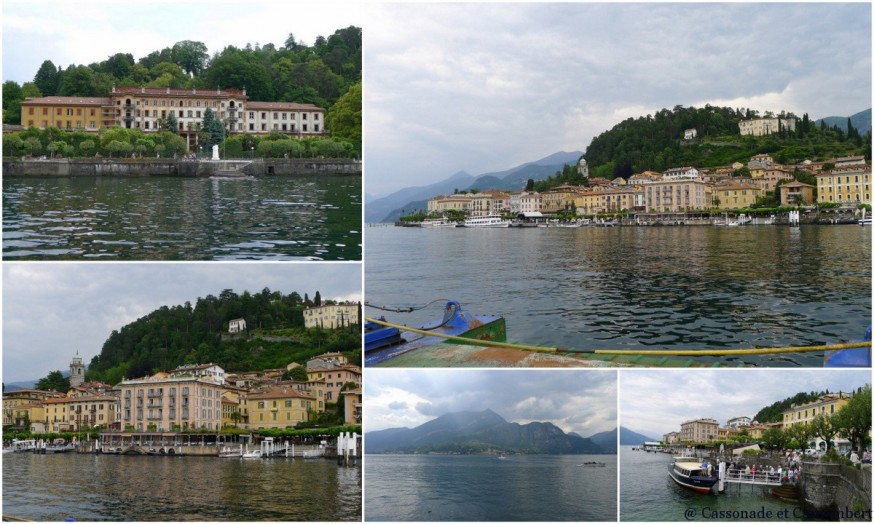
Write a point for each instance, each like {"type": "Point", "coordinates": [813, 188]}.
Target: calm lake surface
{"type": "Point", "coordinates": [648, 494]}
{"type": "Point", "coordinates": [170, 218]}
{"type": "Point", "coordinates": [636, 287]}
{"type": "Point", "coordinates": [142, 488]}
{"type": "Point", "coordinates": [483, 488]}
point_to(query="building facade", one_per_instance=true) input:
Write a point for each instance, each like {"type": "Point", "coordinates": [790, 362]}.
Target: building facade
{"type": "Point", "coordinates": [331, 317]}
{"type": "Point", "coordinates": [149, 108]}
{"type": "Point", "coordinates": [673, 196]}
{"type": "Point", "coordinates": [826, 405]}
{"type": "Point", "coordinates": [699, 431]}
{"type": "Point", "coordinates": [279, 407]}
{"type": "Point", "coordinates": [766, 126]}
{"type": "Point", "coordinates": [164, 403]}
{"type": "Point", "coordinates": [849, 184]}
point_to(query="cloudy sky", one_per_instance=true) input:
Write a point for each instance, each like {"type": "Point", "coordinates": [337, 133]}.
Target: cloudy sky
{"type": "Point", "coordinates": [574, 400]}
{"type": "Point", "coordinates": [82, 33]}
{"type": "Point", "coordinates": [53, 310]}
{"type": "Point", "coordinates": [655, 402]}
{"type": "Point", "coordinates": [485, 87]}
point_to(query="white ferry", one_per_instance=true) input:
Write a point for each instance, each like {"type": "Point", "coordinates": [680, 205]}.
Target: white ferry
{"type": "Point", "coordinates": [438, 222]}
{"type": "Point", "coordinates": [487, 221]}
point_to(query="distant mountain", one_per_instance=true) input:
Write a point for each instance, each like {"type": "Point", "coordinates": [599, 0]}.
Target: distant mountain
{"type": "Point", "coordinates": [631, 438]}
{"type": "Point", "coordinates": [861, 121]}
{"type": "Point", "coordinates": [388, 208]}
{"type": "Point", "coordinates": [606, 440]}
{"type": "Point", "coordinates": [474, 432]}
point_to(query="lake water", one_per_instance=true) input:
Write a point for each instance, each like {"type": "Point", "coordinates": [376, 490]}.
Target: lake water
{"type": "Point", "coordinates": [636, 287]}
{"type": "Point", "coordinates": [143, 488]}
{"type": "Point", "coordinates": [483, 488]}
{"type": "Point", "coordinates": [648, 494]}
{"type": "Point", "coordinates": [170, 218]}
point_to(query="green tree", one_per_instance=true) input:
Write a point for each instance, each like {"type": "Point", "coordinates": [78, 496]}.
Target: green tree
{"type": "Point", "coordinates": [54, 381]}
{"type": "Point", "coordinates": [344, 117]}
{"type": "Point", "coordinates": [854, 419]}
{"type": "Point", "coordinates": [824, 427]}
{"type": "Point", "coordinates": [12, 102]}
{"type": "Point", "coordinates": [191, 56]}
{"type": "Point", "coordinates": [48, 78]}
{"type": "Point", "coordinates": [171, 124]}
{"type": "Point", "coordinates": [212, 129]}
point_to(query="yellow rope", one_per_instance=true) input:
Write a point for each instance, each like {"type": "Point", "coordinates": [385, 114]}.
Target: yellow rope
{"type": "Point", "coordinates": [653, 352]}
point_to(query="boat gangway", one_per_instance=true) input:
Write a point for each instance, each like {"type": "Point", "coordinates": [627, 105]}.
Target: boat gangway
{"type": "Point", "coordinates": [761, 478]}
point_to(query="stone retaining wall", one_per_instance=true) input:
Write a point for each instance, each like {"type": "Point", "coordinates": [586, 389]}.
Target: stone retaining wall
{"type": "Point", "coordinates": [176, 167]}
{"type": "Point", "coordinates": [836, 492]}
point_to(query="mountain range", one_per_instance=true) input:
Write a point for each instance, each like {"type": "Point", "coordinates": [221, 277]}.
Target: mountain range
{"type": "Point", "coordinates": [470, 432]}
{"type": "Point", "coordinates": [389, 208]}
{"type": "Point", "coordinates": [632, 438]}
{"type": "Point", "coordinates": [861, 121]}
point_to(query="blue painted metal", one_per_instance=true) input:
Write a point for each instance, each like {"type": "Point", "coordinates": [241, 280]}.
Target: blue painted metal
{"type": "Point", "coordinates": [455, 322]}
{"type": "Point", "coordinates": [378, 336]}
{"type": "Point", "coordinates": [850, 358]}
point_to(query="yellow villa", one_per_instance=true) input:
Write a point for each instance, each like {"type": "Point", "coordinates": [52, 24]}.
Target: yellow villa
{"type": "Point", "coordinates": [279, 407]}
{"type": "Point", "coordinates": [736, 196]}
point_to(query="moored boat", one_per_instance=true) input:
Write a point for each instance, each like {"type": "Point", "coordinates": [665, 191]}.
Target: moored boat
{"type": "Point", "coordinates": [438, 222]}
{"type": "Point", "coordinates": [486, 221]}
{"type": "Point", "coordinates": [693, 474]}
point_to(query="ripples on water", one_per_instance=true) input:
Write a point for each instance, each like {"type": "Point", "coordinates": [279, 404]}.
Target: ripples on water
{"type": "Point", "coordinates": [637, 287]}
{"type": "Point", "coordinates": [138, 488]}
{"type": "Point", "coordinates": [648, 494]}
{"type": "Point", "coordinates": [483, 488]}
{"type": "Point", "coordinates": [168, 218]}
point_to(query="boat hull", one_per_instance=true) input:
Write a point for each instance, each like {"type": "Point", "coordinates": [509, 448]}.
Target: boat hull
{"type": "Point", "coordinates": [698, 483]}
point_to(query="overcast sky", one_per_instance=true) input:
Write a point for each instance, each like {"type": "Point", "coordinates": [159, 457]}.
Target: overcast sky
{"type": "Point", "coordinates": [655, 402]}
{"type": "Point", "coordinates": [574, 400]}
{"type": "Point", "coordinates": [82, 33]}
{"type": "Point", "coordinates": [53, 310]}
{"type": "Point", "coordinates": [486, 87]}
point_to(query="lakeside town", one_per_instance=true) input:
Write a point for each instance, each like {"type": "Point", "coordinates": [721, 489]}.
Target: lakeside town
{"type": "Point", "coordinates": [682, 194]}
{"type": "Point", "coordinates": [817, 455]}
{"type": "Point", "coordinates": [195, 409]}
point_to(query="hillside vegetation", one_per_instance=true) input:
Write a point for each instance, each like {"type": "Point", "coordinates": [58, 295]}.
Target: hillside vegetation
{"type": "Point", "coordinates": [187, 334]}
{"type": "Point", "coordinates": [655, 142]}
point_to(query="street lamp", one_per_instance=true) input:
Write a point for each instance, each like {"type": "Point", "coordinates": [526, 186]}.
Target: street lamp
{"type": "Point", "coordinates": [253, 152]}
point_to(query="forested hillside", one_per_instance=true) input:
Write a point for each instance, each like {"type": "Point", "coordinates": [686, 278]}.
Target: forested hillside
{"type": "Point", "coordinates": [774, 412]}
{"type": "Point", "coordinates": [186, 334]}
{"type": "Point", "coordinates": [656, 142]}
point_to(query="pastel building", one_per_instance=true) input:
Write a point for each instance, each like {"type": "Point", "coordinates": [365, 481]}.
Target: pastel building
{"type": "Point", "coordinates": [279, 407]}
{"type": "Point", "coordinates": [804, 413]}
{"type": "Point", "coordinates": [672, 196]}
{"type": "Point", "coordinates": [331, 317]}
{"type": "Point", "coordinates": [699, 431]}
{"type": "Point", "coordinates": [847, 184]}
{"type": "Point", "coordinates": [166, 403]}
{"type": "Point", "coordinates": [736, 196]}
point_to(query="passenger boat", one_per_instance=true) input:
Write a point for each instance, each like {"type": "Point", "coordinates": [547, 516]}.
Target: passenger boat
{"type": "Point", "coordinates": [438, 222]}
{"type": "Point", "coordinates": [593, 464]}
{"type": "Point", "coordinates": [384, 343]}
{"type": "Point", "coordinates": [486, 221]}
{"type": "Point", "coordinates": [231, 452]}
{"type": "Point", "coordinates": [691, 473]}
